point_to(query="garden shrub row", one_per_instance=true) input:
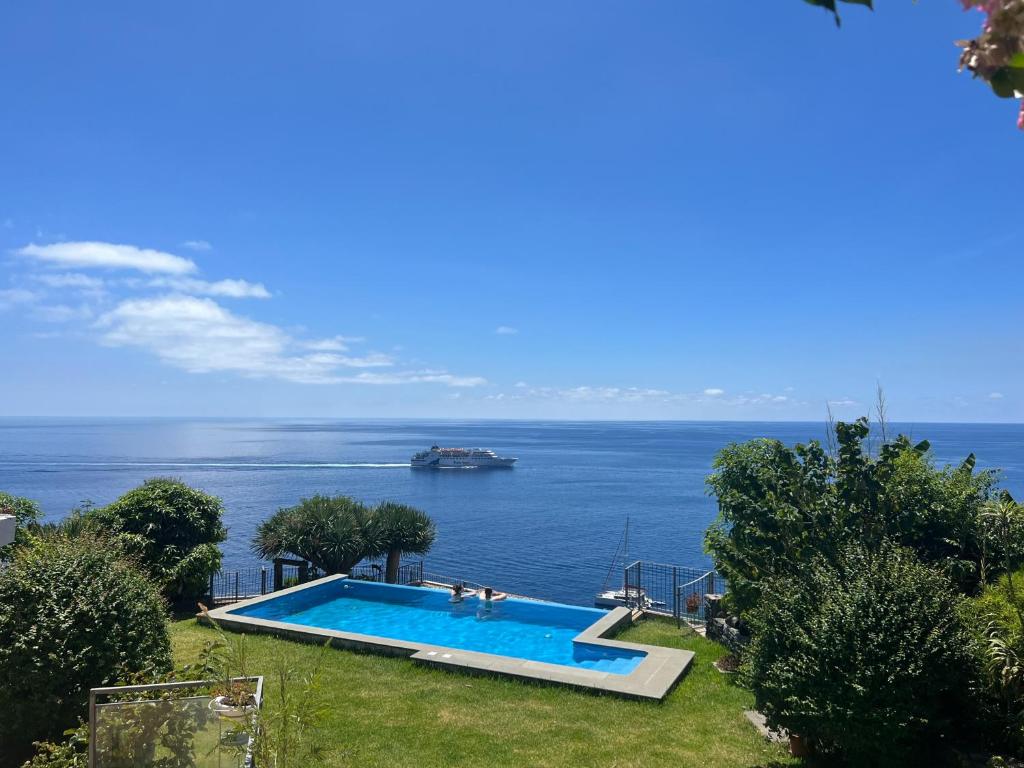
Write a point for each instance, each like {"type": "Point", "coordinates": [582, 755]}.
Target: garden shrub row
{"type": "Point", "coordinates": [879, 590]}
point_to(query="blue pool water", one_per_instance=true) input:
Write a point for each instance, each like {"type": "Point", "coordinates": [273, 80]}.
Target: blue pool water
{"type": "Point", "coordinates": [524, 629]}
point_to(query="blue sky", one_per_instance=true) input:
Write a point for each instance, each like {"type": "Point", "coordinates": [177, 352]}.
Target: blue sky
{"type": "Point", "coordinates": [509, 210]}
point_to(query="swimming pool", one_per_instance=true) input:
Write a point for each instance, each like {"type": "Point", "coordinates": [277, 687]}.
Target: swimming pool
{"type": "Point", "coordinates": [525, 629]}
{"type": "Point", "coordinates": [520, 638]}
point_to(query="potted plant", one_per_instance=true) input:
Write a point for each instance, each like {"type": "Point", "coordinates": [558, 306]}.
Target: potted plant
{"type": "Point", "coordinates": [692, 602]}
{"type": "Point", "coordinates": [232, 700]}
{"type": "Point", "coordinates": [799, 746]}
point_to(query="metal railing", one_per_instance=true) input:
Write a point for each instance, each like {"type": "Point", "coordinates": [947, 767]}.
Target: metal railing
{"type": "Point", "coordinates": [254, 581]}
{"type": "Point", "coordinates": [670, 590]}
{"type": "Point", "coordinates": [448, 581]}
{"type": "Point", "coordinates": [408, 573]}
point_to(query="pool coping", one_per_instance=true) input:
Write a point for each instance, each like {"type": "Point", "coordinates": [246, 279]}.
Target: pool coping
{"type": "Point", "coordinates": [652, 679]}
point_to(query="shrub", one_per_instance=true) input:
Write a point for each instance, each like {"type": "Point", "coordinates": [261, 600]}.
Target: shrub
{"type": "Point", "coordinates": [866, 656]}
{"type": "Point", "coordinates": [71, 753]}
{"type": "Point", "coordinates": [997, 618]}
{"type": "Point", "coordinates": [75, 615]}
{"type": "Point", "coordinates": [779, 507]}
{"type": "Point", "coordinates": [26, 514]}
{"type": "Point", "coordinates": [173, 529]}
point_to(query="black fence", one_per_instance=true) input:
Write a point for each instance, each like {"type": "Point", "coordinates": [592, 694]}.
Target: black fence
{"type": "Point", "coordinates": [670, 590]}
{"type": "Point", "coordinates": [408, 573]}
{"type": "Point", "coordinates": [243, 583]}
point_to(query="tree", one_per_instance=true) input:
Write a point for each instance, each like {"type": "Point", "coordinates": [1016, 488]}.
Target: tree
{"type": "Point", "coordinates": [75, 615]}
{"type": "Point", "coordinates": [336, 532]}
{"type": "Point", "coordinates": [996, 55]}
{"type": "Point", "coordinates": [331, 532]}
{"type": "Point", "coordinates": [398, 529]}
{"type": "Point", "coordinates": [26, 516]}
{"type": "Point", "coordinates": [779, 507]}
{"type": "Point", "coordinates": [173, 529]}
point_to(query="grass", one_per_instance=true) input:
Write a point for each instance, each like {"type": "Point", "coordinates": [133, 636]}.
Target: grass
{"type": "Point", "coordinates": [391, 712]}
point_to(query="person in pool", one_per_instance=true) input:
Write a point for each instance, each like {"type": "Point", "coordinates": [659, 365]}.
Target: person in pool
{"type": "Point", "coordinates": [489, 596]}
{"type": "Point", "coordinates": [460, 593]}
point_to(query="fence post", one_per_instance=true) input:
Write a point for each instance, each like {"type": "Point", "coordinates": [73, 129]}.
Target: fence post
{"type": "Point", "coordinates": [263, 580]}
{"type": "Point", "coordinates": [211, 590]}
{"type": "Point", "coordinates": [278, 574]}
{"type": "Point", "coordinates": [303, 572]}
{"type": "Point", "coordinates": [639, 585]}
{"type": "Point", "coordinates": [675, 595]}
{"type": "Point", "coordinates": [236, 586]}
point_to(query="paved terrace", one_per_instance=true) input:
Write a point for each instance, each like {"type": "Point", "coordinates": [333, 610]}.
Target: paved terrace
{"type": "Point", "coordinates": [653, 677]}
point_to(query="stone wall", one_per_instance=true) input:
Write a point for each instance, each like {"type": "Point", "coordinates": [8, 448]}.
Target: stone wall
{"type": "Point", "coordinates": [723, 628]}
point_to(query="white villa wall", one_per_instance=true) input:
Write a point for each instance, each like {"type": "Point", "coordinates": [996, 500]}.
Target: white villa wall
{"type": "Point", "coordinates": [6, 529]}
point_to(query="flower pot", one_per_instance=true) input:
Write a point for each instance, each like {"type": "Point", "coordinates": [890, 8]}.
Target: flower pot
{"type": "Point", "coordinates": [225, 709]}
{"type": "Point", "coordinates": [798, 746]}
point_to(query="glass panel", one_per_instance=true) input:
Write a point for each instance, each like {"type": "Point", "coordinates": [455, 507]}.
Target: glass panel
{"type": "Point", "coordinates": [171, 733]}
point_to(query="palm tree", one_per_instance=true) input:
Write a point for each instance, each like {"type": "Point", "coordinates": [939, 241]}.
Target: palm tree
{"type": "Point", "coordinates": [397, 529]}
{"type": "Point", "coordinates": [331, 532]}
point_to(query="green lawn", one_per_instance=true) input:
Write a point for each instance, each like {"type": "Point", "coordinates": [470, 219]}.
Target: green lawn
{"type": "Point", "coordinates": [392, 712]}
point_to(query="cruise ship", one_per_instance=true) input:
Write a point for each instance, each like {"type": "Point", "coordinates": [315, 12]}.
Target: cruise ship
{"type": "Point", "coordinates": [465, 458]}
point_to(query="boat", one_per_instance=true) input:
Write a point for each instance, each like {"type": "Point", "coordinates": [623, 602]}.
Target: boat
{"type": "Point", "coordinates": [460, 458]}
{"type": "Point", "coordinates": [628, 595]}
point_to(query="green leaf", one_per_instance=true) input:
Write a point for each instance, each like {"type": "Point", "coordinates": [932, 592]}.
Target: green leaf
{"type": "Point", "coordinates": [968, 463]}
{"type": "Point", "coordinates": [1015, 77]}
{"type": "Point", "coordinates": [1017, 60]}
{"type": "Point", "coordinates": [1001, 84]}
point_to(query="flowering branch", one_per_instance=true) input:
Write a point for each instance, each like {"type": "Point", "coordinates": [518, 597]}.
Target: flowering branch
{"type": "Point", "coordinates": [996, 55]}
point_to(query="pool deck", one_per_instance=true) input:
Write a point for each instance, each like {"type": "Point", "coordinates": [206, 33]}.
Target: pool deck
{"type": "Point", "coordinates": [652, 679]}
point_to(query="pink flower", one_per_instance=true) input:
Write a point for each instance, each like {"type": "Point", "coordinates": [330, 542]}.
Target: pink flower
{"type": "Point", "coordinates": [1020, 116]}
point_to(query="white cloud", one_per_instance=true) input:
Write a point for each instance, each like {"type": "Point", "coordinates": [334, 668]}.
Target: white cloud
{"type": "Point", "coordinates": [235, 289]}
{"type": "Point", "coordinates": [416, 377]}
{"type": "Point", "coordinates": [12, 297]}
{"type": "Point", "coordinates": [711, 397]}
{"type": "Point", "coordinates": [197, 245]}
{"type": "Point", "coordinates": [108, 256]}
{"type": "Point", "coordinates": [333, 344]}
{"type": "Point", "coordinates": [995, 395]}
{"type": "Point", "coordinates": [200, 336]}
{"type": "Point", "coordinates": [843, 402]}
{"type": "Point", "coordinates": [70, 280]}
{"type": "Point", "coordinates": [61, 313]}
{"type": "Point", "coordinates": [589, 394]}
{"type": "Point", "coordinates": [506, 330]}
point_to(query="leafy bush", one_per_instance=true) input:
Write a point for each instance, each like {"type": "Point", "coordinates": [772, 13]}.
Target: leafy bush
{"type": "Point", "coordinates": [998, 617]}
{"type": "Point", "coordinates": [1001, 602]}
{"type": "Point", "coordinates": [70, 753]}
{"type": "Point", "coordinates": [75, 615]}
{"type": "Point", "coordinates": [779, 507]}
{"type": "Point", "coordinates": [26, 515]}
{"type": "Point", "coordinates": [336, 532]}
{"type": "Point", "coordinates": [865, 656]}
{"type": "Point", "coordinates": [174, 531]}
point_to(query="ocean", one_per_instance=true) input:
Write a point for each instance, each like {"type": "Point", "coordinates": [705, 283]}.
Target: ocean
{"type": "Point", "coordinates": [547, 528]}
